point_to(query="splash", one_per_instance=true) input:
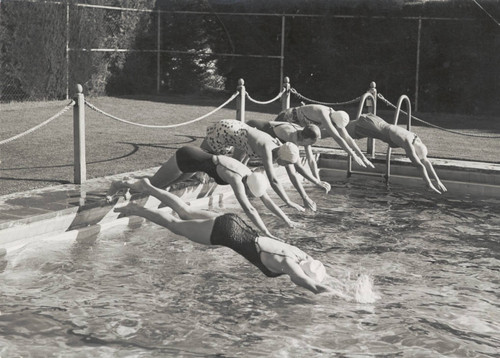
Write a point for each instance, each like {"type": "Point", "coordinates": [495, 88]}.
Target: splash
{"type": "Point", "coordinates": [361, 290]}
{"type": "Point", "coordinates": [364, 290]}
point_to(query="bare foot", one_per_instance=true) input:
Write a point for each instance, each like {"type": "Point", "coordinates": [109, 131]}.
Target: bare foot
{"type": "Point", "coordinates": [114, 190]}
{"type": "Point", "coordinates": [129, 209]}
{"type": "Point", "coordinates": [140, 185]}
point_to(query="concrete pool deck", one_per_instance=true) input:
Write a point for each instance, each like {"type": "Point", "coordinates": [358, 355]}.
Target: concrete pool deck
{"type": "Point", "coordinates": [81, 211]}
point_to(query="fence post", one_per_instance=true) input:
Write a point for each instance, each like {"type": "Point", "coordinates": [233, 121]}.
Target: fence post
{"type": "Point", "coordinates": [80, 165]}
{"type": "Point", "coordinates": [66, 54]}
{"type": "Point", "coordinates": [372, 107]}
{"type": "Point", "coordinates": [240, 101]}
{"type": "Point", "coordinates": [285, 97]}
{"type": "Point", "coordinates": [158, 52]}
{"type": "Point", "coordinates": [417, 70]}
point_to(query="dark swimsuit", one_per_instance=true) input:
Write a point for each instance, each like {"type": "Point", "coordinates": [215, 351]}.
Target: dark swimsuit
{"type": "Point", "coordinates": [371, 126]}
{"type": "Point", "coordinates": [193, 159]}
{"type": "Point", "coordinates": [231, 231]}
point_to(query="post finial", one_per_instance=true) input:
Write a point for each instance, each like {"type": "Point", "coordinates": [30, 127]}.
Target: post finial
{"type": "Point", "coordinates": [79, 88]}
{"type": "Point", "coordinates": [373, 85]}
{"type": "Point", "coordinates": [286, 79]}
{"type": "Point", "coordinates": [241, 82]}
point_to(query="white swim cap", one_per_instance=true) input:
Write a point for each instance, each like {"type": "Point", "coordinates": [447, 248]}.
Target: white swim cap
{"type": "Point", "coordinates": [314, 269]}
{"type": "Point", "coordinates": [257, 184]}
{"type": "Point", "coordinates": [340, 118]}
{"type": "Point", "coordinates": [289, 152]}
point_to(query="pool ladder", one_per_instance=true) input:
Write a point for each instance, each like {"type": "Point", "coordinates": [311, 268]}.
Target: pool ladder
{"type": "Point", "coordinates": [371, 142]}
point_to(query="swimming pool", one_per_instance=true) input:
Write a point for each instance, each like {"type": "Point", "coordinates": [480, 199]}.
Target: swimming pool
{"type": "Point", "coordinates": [422, 271]}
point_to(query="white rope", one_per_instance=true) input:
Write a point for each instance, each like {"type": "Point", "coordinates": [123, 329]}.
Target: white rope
{"type": "Point", "coordinates": [71, 104]}
{"type": "Point", "coordinates": [435, 126]}
{"type": "Point", "coordinates": [294, 91]}
{"type": "Point", "coordinates": [266, 102]}
{"type": "Point", "coordinates": [91, 106]}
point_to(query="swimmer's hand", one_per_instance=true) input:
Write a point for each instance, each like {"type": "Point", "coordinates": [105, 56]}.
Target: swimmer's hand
{"type": "Point", "coordinates": [368, 163]}
{"type": "Point", "coordinates": [359, 161]}
{"type": "Point", "coordinates": [325, 185]}
{"type": "Point", "coordinates": [441, 187]}
{"type": "Point", "coordinates": [433, 188]}
{"type": "Point", "coordinates": [268, 234]}
{"type": "Point", "coordinates": [296, 206]}
{"type": "Point", "coordinates": [309, 204]}
{"type": "Point", "coordinates": [294, 224]}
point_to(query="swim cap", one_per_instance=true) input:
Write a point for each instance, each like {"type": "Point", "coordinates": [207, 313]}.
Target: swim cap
{"type": "Point", "coordinates": [257, 184]}
{"type": "Point", "coordinates": [289, 152]}
{"type": "Point", "coordinates": [340, 118]}
{"type": "Point", "coordinates": [314, 269]}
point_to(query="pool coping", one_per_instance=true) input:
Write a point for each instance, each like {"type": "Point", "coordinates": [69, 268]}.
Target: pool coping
{"type": "Point", "coordinates": [82, 211]}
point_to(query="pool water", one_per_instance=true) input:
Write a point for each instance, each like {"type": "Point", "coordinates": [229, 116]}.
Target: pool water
{"type": "Point", "coordinates": [422, 273]}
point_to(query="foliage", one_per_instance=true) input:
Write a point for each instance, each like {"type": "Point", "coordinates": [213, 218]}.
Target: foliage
{"type": "Point", "coordinates": [331, 57]}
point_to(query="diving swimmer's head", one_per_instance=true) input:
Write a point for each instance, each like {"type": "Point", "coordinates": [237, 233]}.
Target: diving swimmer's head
{"type": "Point", "coordinates": [257, 183]}
{"type": "Point", "coordinates": [340, 118]}
{"type": "Point", "coordinates": [314, 269]}
{"type": "Point", "coordinates": [289, 153]}
{"type": "Point", "coordinates": [311, 133]}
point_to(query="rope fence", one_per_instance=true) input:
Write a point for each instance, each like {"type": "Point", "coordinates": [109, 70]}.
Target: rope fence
{"type": "Point", "coordinates": [91, 106]}
{"type": "Point", "coordinates": [389, 104]}
{"type": "Point", "coordinates": [31, 130]}
{"type": "Point", "coordinates": [298, 95]}
{"type": "Point", "coordinates": [368, 100]}
{"type": "Point", "coordinates": [278, 96]}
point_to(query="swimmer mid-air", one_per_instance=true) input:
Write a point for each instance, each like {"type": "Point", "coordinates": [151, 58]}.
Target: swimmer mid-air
{"type": "Point", "coordinates": [372, 126]}
{"type": "Point", "coordinates": [249, 143]}
{"type": "Point", "coordinates": [225, 171]}
{"type": "Point", "coordinates": [332, 124]}
{"type": "Point", "coordinates": [291, 132]}
{"type": "Point", "coordinates": [273, 257]}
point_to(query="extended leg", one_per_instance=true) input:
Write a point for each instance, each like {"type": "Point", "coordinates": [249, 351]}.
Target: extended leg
{"type": "Point", "coordinates": [185, 211]}
{"type": "Point", "coordinates": [167, 174]}
{"type": "Point", "coordinates": [197, 230]}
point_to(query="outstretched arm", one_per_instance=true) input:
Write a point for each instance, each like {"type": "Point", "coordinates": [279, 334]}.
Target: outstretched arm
{"type": "Point", "coordinates": [275, 184]}
{"type": "Point", "coordinates": [352, 143]}
{"type": "Point", "coordinates": [299, 277]}
{"type": "Point", "coordinates": [275, 209]}
{"type": "Point", "coordinates": [302, 171]}
{"type": "Point", "coordinates": [252, 213]}
{"type": "Point", "coordinates": [311, 161]}
{"type": "Point", "coordinates": [332, 131]}
{"type": "Point", "coordinates": [430, 168]}
{"type": "Point", "coordinates": [292, 174]}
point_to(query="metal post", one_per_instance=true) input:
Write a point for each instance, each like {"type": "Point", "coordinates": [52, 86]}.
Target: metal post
{"type": "Point", "coordinates": [80, 166]}
{"type": "Point", "coordinates": [282, 64]}
{"type": "Point", "coordinates": [285, 97]}
{"type": "Point", "coordinates": [372, 107]}
{"type": "Point", "coordinates": [417, 74]}
{"type": "Point", "coordinates": [67, 49]}
{"type": "Point", "coordinates": [240, 101]}
{"type": "Point", "coordinates": [158, 54]}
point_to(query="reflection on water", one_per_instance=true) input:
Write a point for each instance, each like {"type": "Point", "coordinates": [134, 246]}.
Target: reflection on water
{"type": "Point", "coordinates": [423, 274]}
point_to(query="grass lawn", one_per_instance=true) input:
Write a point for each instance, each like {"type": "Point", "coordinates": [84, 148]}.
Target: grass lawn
{"type": "Point", "coordinates": [45, 157]}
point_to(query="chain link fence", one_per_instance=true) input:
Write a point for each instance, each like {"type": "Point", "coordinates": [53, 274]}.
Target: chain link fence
{"type": "Point", "coordinates": [443, 64]}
